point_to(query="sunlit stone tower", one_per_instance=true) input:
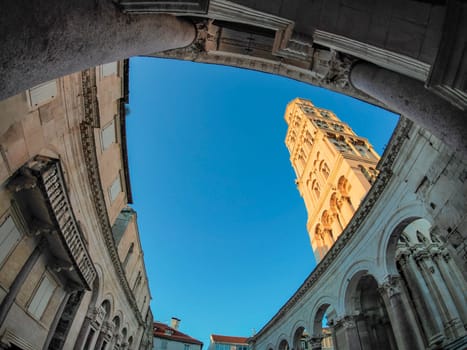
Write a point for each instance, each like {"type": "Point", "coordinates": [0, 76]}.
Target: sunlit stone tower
{"type": "Point", "coordinates": [335, 169]}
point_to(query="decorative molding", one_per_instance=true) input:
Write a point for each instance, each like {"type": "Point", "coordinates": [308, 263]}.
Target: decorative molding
{"type": "Point", "coordinates": [233, 12]}
{"type": "Point", "coordinates": [393, 61]}
{"type": "Point", "coordinates": [180, 7]}
{"type": "Point", "coordinates": [384, 166]}
{"type": "Point", "coordinates": [10, 338]}
{"type": "Point", "coordinates": [88, 142]}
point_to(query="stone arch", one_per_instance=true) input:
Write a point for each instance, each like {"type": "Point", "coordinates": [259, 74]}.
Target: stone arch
{"type": "Point", "coordinates": [124, 333]}
{"type": "Point", "coordinates": [324, 169]}
{"type": "Point", "coordinates": [283, 344]}
{"type": "Point", "coordinates": [117, 322]}
{"type": "Point", "coordinates": [321, 336]}
{"type": "Point", "coordinates": [109, 296]}
{"type": "Point", "coordinates": [316, 189]}
{"type": "Point", "coordinates": [106, 305]}
{"type": "Point", "coordinates": [366, 309]}
{"type": "Point", "coordinates": [349, 279]}
{"type": "Point", "coordinates": [334, 205]}
{"type": "Point", "coordinates": [392, 243]}
{"type": "Point", "coordinates": [344, 186]}
{"type": "Point", "coordinates": [298, 334]}
{"type": "Point", "coordinates": [391, 231]}
{"type": "Point", "coordinates": [270, 346]}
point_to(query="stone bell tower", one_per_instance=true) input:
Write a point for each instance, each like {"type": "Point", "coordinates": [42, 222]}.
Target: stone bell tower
{"type": "Point", "coordinates": [335, 168]}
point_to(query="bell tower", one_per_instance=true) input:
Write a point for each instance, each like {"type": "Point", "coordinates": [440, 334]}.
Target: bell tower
{"type": "Point", "coordinates": [335, 168]}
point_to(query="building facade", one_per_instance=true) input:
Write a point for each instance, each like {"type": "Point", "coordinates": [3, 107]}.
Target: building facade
{"type": "Point", "coordinates": [170, 338]}
{"type": "Point", "coordinates": [72, 272]}
{"type": "Point", "coordinates": [335, 169]}
{"type": "Point", "coordinates": [396, 276]}
{"type": "Point", "coordinates": [226, 342]}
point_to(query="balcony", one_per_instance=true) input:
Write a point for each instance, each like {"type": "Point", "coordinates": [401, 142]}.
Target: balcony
{"type": "Point", "coordinates": [41, 195]}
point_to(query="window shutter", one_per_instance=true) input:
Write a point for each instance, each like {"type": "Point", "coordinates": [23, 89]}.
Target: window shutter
{"type": "Point", "coordinates": [108, 135]}
{"type": "Point", "coordinates": [42, 93]}
{"type": "Point", "coordinates": [41, 297]}
{"type": "Point", "coordinates": [115, 189]}
{"type": "Point", "coordinates": [9, 236]}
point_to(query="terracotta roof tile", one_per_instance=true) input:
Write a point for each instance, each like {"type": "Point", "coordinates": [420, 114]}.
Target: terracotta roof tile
{"type": "Point", "coordinates": [161, 330]}
{"type": "Point", "coordinates": [228, 339]}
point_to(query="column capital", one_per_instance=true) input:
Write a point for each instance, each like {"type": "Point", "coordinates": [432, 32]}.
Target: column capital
{"type": "Point", "coordinates": [391, 286]}
{"type": "Point", "coordinates": [420, 254]}
{"type": "Point", "coordinates": [348, 321]}
{"type": "Point", "coordinates": [402, 255]}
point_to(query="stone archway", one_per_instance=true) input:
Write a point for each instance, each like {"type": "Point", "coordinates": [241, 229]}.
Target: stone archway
{"type": "Point", "coordinates": [301, 339]}
{"type": "Point", "coordinates": [284, 345]}
{"type": "Point", "coordinates": [366, 324]}
{"type": "Point", "coordinates": [321, 336]}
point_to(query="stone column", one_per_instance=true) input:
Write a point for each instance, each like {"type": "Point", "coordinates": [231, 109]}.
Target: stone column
{"type": "Point", "coordinates": [455, 283]}
{"type": "Point", "coordinates": [104, 335]}
{"type": "Point", "coordinates": [403, 323]}
{"type": "Point", "coordinates": [351, 336]}
{"type": "Point", "coordinates": [93, 320]}
{"type": "Point", "coordinates": [451, 320]}
{"type": "Point", "coordinates": [315, 342]}
{"type": "Point", "coordinates": [422, 299]}
{"type": "Point", "coordinates": [410, 98]}
{"type": "Point", "coordinates": [48, 39]}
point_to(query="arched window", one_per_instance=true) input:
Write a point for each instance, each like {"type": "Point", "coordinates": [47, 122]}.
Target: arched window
{"type": "Point", "coordinates": [344, 186]}
{"type": "Point", "coordinates": [316, 189]}
{"type": "Point", "coordinates": [324, 169]}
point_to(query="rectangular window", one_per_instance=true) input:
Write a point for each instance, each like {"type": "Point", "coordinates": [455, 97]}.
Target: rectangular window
{"type": "Point", "coordinates": [41, 297]}
{"type": "Point", "coordinates": [115, 188]}
{"type": "Point", "coordinates": [108, 135]}
{"type": "Point", "coordinates": [42, 93]}
{"type": "Point", "coordinates": [9, 237]}
{"type": "Point", "coordinates": [109, 69]}
{"type": "Point", "coordinates": [163, 344]}
{"type": "Point", "coordinates": [187, 347]}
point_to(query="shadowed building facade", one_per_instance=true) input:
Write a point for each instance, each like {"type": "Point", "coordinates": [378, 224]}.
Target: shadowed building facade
{"type": "Point", "coordinates": [72, 272]}
{"type": "Point", "coordinates": [335, 169]}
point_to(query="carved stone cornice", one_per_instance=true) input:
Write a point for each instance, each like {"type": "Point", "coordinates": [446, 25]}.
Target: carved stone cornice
{"type": "Point", "coordinates": [292, 55]}
{"type": "Point", "coordinates": [92, 167]}
{"type": "Point", "coordinates": [385, 167]}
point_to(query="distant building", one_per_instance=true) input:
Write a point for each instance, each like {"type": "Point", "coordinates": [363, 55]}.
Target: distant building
{"type": "Point", "coordinates": [170, 338]}
{"type": "Point", "coordinates": [224, 342]}
{"type": "Point", "coordinates": [335, 169]}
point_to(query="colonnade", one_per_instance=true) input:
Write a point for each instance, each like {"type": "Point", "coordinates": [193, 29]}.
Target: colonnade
{"type": "Point", "coordinates": [419, 304]}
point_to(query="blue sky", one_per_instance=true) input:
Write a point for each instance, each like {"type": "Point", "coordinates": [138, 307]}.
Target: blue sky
{"type": "Point", "coordinates": [221, 221]}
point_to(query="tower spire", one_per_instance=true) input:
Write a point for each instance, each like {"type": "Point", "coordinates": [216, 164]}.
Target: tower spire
{"type": "Point", "coordinates": [334, 167]}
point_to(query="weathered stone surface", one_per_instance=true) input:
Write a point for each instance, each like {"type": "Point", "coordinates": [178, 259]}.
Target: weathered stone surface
{"type": "Point", "coordinates": [43, 40]}
{"type": "Point", "coordinates": [410, 98]}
